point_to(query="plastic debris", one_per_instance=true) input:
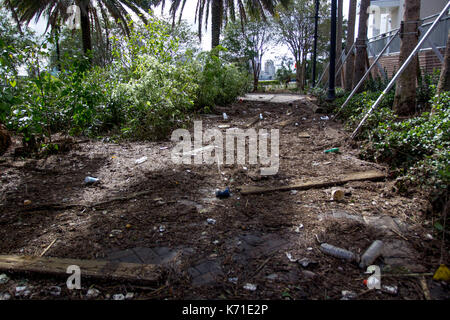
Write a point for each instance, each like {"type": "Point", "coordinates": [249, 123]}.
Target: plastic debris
{"type": "Point", "coordinates": [141, 160]}
{"type": "Point", "coordinates": [371, 254]}
{"type": "Point", "coordinates": [294, 191]}
{"type": "Point", "coordinates": [3, 278]}
{"type": "Point", "coordinates": [250, 286]}
{"type": "Point", "coordinates": [55, 291]}
{"type": "Point", "coordinates": [216, 242]}
{"type": "Point", "coordinates": [305, 262]}
{"type": "Point", "coordinates": [163, 148]}
{"type": "Point", "coordinates": [289, 256]}
{"type": "Point", "coordinates": [337, 195]}
{"type": "Point", "coordinates": [118, 297]}
{"type": "Point", "coordinates": [90, 180]}
{"type": "Point", "coordinates": [233, 280]}
{"type": "Point", "coordinates": [162, 228]}
{"type": "Point", "coordinates": [92, 293]}
{"type": "Point", "coordinates": [26, 202]}
{"type": "Point", "coordinates": [389, 289]}
{"type": "Point", "coordinates": [224, 126]}
{"type": "Point", "coordinates": [261, 116]}
{"type": "Point", "coordinates": [442, 273]}
{"type": "Point", "coordinates": [338, 252]}
{"type": "Point", "coordinates": [332, 150]}
{"type": "Point", "coordinates": [297, 228]}
{"type": "Point", "coordinates": [5, 296]}
{"type": "Point", "coordinates": [324, 118]}
{"type": "Point", "coordinates": [223, 194]}
{"type": "Point", "coordinates": [372, 282]}
{"type": "Point", "coordinates": [225, 117]}
{"type": "Point", "coordinates": [211, 221]}
{"type": "Point", "coordinates": [129, 296]}
{"type": "Point", "coordinates": [347, 295]}
{"type": "Point", "coordinates": [22, 291]}
{"type": "Point", "coordinates": [429, 236]}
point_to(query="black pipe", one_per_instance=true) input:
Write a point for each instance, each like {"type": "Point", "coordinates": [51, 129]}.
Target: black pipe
{"type": "Point", "coordinates": [331, 81]}
{"type": "Point", "coordinates": [316, 22]}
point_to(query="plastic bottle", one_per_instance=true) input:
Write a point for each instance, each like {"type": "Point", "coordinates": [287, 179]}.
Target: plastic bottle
{"type": "Point", "coordinates": [89, 180]}
{"type": "Point", "coordinates": [372, 283]}
{"type": "Point", "coordinates": [371, 254]}
{"type": "Point", "coordinates": [338, 252]}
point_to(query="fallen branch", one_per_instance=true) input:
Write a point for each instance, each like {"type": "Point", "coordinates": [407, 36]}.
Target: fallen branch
{"type": "Point", "coordinates": [424, 286]}
{"type": "Point", "coordinates": [48, 247]}
{"type": "Point", "coordinates": [357, 176]}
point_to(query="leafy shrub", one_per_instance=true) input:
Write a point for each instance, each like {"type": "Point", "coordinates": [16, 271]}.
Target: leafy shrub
{"type": "Point", "coordinates": [220, 82]}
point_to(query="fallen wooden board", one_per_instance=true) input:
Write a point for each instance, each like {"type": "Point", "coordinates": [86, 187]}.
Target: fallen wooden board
{"type": "Point", "coordinates": [319, 183]}
{"type": "Point", "coordinates": [99, 269]}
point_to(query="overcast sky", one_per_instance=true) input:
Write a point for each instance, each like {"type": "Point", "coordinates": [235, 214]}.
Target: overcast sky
{"type": "Point", "coordinates": [189, 15]}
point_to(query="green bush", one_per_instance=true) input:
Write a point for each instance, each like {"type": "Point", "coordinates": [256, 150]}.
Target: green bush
{"type": "Point", "coordinates": [219, 82]}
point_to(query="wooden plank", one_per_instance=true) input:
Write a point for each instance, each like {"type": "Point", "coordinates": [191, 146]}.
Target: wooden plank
{"type": "Point", "coordinates": [100, 269]}
{"type": "Point", "coordinates": [319, 183]}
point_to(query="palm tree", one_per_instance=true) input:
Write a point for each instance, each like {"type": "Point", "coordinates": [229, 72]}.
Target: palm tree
{"type": "Point", "coordinates": [350, 63]}
{"type": "Point", "coordinates": [361, 53]}
{"type": "Point", "coordinates": [222, 10]}
{"type": "Point", "coordinates": [57, 11]}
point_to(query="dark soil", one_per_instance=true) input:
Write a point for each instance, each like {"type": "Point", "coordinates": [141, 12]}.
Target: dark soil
{"type": "Point", "coordinates": [182, 197]}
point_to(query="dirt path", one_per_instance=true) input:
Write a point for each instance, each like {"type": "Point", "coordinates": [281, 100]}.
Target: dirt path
{"type": "Point", "coordinates": [250, 236]}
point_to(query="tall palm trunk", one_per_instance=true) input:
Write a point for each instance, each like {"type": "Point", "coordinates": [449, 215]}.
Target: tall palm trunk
{"type": "Point", "coordinates": [339, 40]}
{"type": "Point", "coordinates": [216, 22]}
{"type": "Point", "coordinates": [405, 91]}
{"type": "Point", "coordinates": [350, 63]}
{"type": "Point", "coordinates": [85, 25]}
{"type": "Point", "coordinates": [444, 80]}
{"type": "Point", "coordinates": [360, 60]}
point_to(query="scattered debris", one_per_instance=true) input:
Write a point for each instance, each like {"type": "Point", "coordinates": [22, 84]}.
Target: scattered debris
{"type": "Point", "coordinates": [3, 278]}
{"type": "Point", "coordinates": [297, 228]}
{"type": "Point", "coordinates": [129, 296]}
{"type": "Point", "coordinates": [92, 293]}
{"type": "Point", "coordinates": [305, 262]}
{"type": "Point", "coordinates": [22, 291]}
{"type": "Point", "coordinates": [347, 295]}
{"type": "Point", "coordinates": [211, 221]}
{"type": "Point", "coordinates": [309, 274]}
{"type": "Point", "coordinates": [90, 180]}
{"type": "Point", "coordinates": [426, 291]}
{"type": "Point", "coordinates": [225, 117]}
{"type": "Point", "coordinates": [223, 194]}
{"type": "Point", "coordinates": [332, 150]}
{"type": "Point", "coordinates": [338, 252]}
{"type": "Point", "coordinates": [233, 280]}
{"type": "Point", "coordinates": [289, 256]}
{"type": "Point", "coordinates": [224, 126]}
{"type": "Point", "coordinates": [250, 287]}
{"type": "Point", "coordinates": [26, 202]}
{"type": "Point", "coordinates": [162, 228]}
{"type": "Point", "coordinates": [260, 116]}
{"type": "Point", "coordinates": [118, 297]}
{"type": "Point", "coordinates": [47, 248]}
{"type": "Point", "coordinates": [5, 296]}
{"type": "Point", "coordinates": [294, 191]}
{"type": "Point", "coordinates": [371, 254]}
{"type": "Point", "coordinates": [429, 236]}
{"type": "Point", "coordinates": [141, 160]}
{"type": "Point", "coordinates": [389, 289]}
{"type": "Point", "coordinates": [324, 118]}
{"type": "Point", "coordinates": [163, 148]}
{"type": "Point", "coordinates": [55, 291]}
{"type": "Point", "coordinates": [442, 273]}
{"type": "Point", "coordinates": [337, 195]}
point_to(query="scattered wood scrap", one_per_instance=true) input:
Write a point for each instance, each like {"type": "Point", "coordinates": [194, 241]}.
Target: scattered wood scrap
{"type": "Point", "coordinates": [99, 269]}
{"type": "Point", "coordinates": [319, 183]}
{"type": "Point", "coordinates": [254, 121]}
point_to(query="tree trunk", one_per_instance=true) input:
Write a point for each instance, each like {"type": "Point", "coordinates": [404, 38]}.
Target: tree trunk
{"type": "Point", "coordinates": [340, 19]}
{"type": "Point", "coordinates": [444, 80]}
{"type": "Point", "coordinates": [360, 62]}
{"type": "Point", "coordinates": [350, 63]}
{"type": "Point", "coordinates": [85, 25]}
{"type": "Point", "coordinates": [5, 139]}
{"type": "Point", "coordinates": [298, 74]}
{"type": "Point", "coordinates": [216, 22]}
{"type": "Point", "coordinates": [405, 92]}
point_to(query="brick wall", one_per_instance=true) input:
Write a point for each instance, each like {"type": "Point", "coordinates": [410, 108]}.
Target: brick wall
{"type": "Point", "coordinates": [427, 59]}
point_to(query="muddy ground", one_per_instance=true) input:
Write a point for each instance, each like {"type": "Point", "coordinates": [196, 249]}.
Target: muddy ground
{"type": "Point", "coordinates": [252, 235]}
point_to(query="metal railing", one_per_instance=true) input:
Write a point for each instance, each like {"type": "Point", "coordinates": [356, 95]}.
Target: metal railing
{"type": "Point", "coordinates": [438, 37]}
